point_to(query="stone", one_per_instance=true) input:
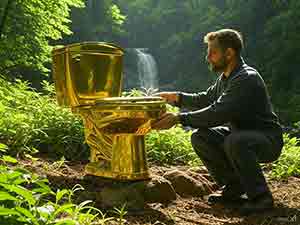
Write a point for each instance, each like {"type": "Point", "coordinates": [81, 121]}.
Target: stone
{"type": "Point", "coordinates": [117, 196]}
{"type": "Point", "coordinates": [159, 190]}
{"type": "Point", "coordinates": [185, 185]}
{"type": "Point", "coordinates": [136, 194]}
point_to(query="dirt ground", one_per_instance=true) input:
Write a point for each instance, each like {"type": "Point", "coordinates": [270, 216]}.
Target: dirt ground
{"type": "Point", "coordinates": [184, 211]}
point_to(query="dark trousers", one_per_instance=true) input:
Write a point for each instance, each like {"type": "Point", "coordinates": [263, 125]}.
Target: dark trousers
{"type": "Point", "coordinates": [232, 158]}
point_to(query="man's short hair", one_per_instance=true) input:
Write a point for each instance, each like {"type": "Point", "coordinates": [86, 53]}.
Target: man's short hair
{"type": "Point", "coordinates": [227, 38]}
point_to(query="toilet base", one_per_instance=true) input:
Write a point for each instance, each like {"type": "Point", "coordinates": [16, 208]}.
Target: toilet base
{"type": "Point", "coordinates": [103, 169]}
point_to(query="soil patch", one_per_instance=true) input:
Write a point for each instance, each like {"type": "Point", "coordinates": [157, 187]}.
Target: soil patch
{"type": "Point", "coordinates": [182, 202]}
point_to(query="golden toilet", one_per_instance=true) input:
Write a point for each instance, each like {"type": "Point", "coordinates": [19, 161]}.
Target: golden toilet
{"type": "Point", "coordinates": [88, 78]}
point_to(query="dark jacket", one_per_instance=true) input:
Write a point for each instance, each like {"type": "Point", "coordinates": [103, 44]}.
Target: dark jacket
{"type": "Point", "coordinates": [240, 100]}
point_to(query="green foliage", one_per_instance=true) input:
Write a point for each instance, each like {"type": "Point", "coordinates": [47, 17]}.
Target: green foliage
{"type": "Point", "coordinates": [31, 121]}
{"type": "Point", "coordinates": [171, 146]}
{"type": "Point", "coordinates": [271, 42]}
{"type": "Point", "coordinates": [120, 212]}
{"type": "Point", "coordinates": [25, 198]}
{"type": "Point", "coordinates": [288, 163]}
{"type": "Point", "coordinates": [27, 30]}
{"type": "Point", "coordinates": [139, 92]}
{"type": "Point", "coordinates": [99, 21]}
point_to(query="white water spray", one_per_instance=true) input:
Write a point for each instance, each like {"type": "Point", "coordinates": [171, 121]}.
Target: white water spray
{"type": "Point", "coordinates": [147, 69]}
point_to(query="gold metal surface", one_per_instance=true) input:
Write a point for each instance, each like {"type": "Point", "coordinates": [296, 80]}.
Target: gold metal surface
{"type": "Point", "coordinates": [87, 71]}
{"type": "Point", "coordinates": [88, 78]}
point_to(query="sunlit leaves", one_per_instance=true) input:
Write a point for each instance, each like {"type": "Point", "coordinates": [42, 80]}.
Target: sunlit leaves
{"type": "Point", "coordinates": [29, 27]}
{"type": "Point", "coordinates": [116, 15]}
{"type": "Point", "coordinates": [28, 202]}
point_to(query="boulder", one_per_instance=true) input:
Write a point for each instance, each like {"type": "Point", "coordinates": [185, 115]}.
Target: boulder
{"type": "Point", "coordinates": [185, 185]}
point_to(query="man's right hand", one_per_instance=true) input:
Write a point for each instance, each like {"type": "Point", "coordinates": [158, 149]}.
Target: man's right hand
{"type": "Point", "coordinates": [170, 97]}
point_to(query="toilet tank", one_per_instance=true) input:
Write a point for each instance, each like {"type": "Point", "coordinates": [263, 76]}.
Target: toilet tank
{"type": "Point", "coordinates": [85, 72]}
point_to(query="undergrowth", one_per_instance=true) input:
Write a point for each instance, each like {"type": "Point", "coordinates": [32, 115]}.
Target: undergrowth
{"type": "Point", "coordinates": [26, 198]}
{"type": "Point", "coordinates": [288, 163]}
{"type": "Point", "coordinates": [31, 122]}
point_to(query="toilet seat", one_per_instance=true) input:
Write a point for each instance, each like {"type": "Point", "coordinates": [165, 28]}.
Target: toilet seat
{"type": "Point", "coordinates": [127, 104]}
{"type": "Point", "coordinates": [124, 115]}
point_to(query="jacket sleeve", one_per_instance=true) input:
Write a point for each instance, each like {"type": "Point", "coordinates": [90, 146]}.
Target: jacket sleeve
{"type": "Point", "coordinates": [197, 100]}
{"type": "Point", "coordinates": [234, 103]}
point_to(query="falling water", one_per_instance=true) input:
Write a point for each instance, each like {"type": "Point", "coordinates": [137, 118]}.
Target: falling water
{"type": "Point", "coordinates": [147, 70]}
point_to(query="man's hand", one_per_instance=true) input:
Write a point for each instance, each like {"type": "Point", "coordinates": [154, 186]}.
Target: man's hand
{"type": "Point", "coordinates": [165, 121]}
{"type": "Point", "coordinates": [170, 97]}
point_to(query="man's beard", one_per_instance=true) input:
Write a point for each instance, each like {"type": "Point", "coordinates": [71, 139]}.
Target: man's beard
{"type": "Point", "coordinates": [219, 66]}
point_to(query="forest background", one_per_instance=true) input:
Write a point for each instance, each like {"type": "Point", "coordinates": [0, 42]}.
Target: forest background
{"type": "Point", "coordinates": [172, 31]}
{"type": "Point", "coordinates": [34, 130]}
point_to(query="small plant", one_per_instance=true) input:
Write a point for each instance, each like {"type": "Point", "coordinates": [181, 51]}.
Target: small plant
{"type": "Point", "coordinates": [140, 93]}
{"type": "Point", "coordinates": [25, 198]}
{"type": "Point", "coordinates": [121, 213]}
{"type": "Point", "coordinates": [288, 163]}
{"type": "Point", "coordinates": [31, 122]}
{"type": "Point", "coordinates": [171, 146]}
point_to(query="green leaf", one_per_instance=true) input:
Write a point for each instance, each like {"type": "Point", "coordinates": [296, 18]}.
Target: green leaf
{"type": "Point", "coordinates": [8, 212]}
{"type": "Point", "coordinates": [60, 194]}
{"type": "Point", "coordinates": [28, 214]}
{"type": "Point", "coordinates": [4, 196]}
{"type": "Point", "coordinates": [25, 193]}
{"type": "Point", "coordinates": [3, 147]}
{"type": "Point", "coordinates": [46, 189]}
{"type": "Point", "coordinates": [66, 222]}
{"type": "Point", "coordinates": [9, 159]}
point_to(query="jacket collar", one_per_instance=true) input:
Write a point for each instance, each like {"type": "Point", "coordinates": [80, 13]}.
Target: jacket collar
{"type": "Point", "coordinates": [235, 71]}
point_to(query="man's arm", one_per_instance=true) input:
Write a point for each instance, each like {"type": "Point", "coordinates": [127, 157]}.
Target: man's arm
{"type": "Point", "coordinates": [234, 103]}
{"type": "Point", "coordinates": [197, 100]}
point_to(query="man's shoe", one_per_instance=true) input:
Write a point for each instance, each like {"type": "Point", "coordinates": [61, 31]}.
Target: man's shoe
{"type": "Point", "coordinates": [228, 196]}
{"type": "Point", "coordinates": [259, 204]}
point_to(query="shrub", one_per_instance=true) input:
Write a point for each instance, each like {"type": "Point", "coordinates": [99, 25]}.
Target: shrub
{"type": "Point", "coordinates": [288, 163]}
{"type": "Point", "coordinates": [31, 120]}
{"type": "Point", "coordinates": [26, 198]}
{"type": "Point", "coordinates": [171, 146]}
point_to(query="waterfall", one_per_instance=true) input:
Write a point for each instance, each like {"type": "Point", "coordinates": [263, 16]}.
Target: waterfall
{"type": "Point", "coordinates": [147, 70]}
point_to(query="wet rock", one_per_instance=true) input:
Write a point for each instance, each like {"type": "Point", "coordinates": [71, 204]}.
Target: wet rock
{"type": "Point", "coordinates": [185, 185]}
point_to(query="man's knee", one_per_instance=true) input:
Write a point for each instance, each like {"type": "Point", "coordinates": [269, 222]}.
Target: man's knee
{"type": "Point", "coordinates": [237, 143]}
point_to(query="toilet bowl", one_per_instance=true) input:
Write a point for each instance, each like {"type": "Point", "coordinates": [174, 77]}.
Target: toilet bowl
{"type": "Point", "coordinates": [88, 79]}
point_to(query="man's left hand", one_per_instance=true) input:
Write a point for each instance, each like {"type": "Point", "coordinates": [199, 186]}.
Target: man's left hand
{"type": "Point", "coordinates": [165, 121]}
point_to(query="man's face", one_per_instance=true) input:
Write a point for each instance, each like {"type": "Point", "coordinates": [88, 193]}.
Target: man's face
{"type": "Point", "coordinates": [216, 57]}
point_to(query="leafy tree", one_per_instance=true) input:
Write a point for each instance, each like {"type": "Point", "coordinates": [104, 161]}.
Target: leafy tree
{"type": "Point", "coordinates": [99, 21]}
{"type": "Point", "coordinates": [282, 57]}
{"type": "Point", "coordinates": [27, 27]}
